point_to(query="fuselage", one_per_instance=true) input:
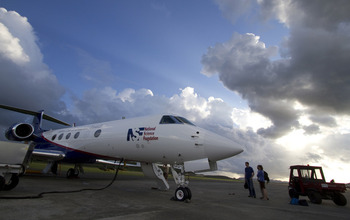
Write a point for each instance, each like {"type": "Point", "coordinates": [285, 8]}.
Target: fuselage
{"type": "Point", "coordinates": [162, 138]}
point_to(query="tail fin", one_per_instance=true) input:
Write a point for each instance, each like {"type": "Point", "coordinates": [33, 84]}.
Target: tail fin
{"type": "Point", "coordinates": [37, 120]}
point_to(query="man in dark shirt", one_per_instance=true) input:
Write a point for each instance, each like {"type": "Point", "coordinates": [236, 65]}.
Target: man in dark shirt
{"type": "Point", "coordinates": [249, 173]}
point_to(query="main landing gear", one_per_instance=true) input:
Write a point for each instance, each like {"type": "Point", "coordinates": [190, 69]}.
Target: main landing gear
{"type": "Point", "coordinates": [74, 172]}
{"type": "Point", "coordinates": [182, 193]}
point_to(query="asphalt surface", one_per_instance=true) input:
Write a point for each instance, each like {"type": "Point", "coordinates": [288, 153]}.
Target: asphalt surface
{"type": "Point", "coordinates": [131, 197]}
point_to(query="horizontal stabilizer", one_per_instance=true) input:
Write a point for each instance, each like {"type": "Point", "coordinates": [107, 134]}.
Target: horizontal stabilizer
{"type": "Point", "coordinates": [28, 112]}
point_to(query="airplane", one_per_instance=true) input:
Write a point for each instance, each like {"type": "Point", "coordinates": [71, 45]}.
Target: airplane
{"type": "Point", "coordinates": [153, 141]}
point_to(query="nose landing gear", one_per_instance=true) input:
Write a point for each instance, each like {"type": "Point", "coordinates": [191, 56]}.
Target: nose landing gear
{"type": "Point", "coordinates": [182, 193]}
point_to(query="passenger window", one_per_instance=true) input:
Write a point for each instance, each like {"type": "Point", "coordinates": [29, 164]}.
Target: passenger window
{"type": "Point", "coordinates": [60, 137]}
{"type": "Point", "coordinates": [97, 133]}
{"type": "Point", "coordinates": [53, 137]}
{"type": "Point", "coordinates": [76, 135]}
{"type": "Point", "coordinates": [68, 136]}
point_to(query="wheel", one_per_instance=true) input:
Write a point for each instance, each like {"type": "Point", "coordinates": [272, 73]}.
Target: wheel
{"type": "Point", "coordinates": [13, 183]}
{"type": "Point", "coordinates": [181, 194]}
{"type": "Point", "coordinates": [2, 182]}
{"type": "Point", "coordinates": [339, 199]}
{"type": "Point", "coordinates": [293, 193]}
{"type": "Point", "coordinates": [72, 173]}
{"type": "Point", "coordinates": [54, 168]}
{"type": "Point", "coordinates": [189, 193]}
{"type": "Point", "coordinates": [315, 197]}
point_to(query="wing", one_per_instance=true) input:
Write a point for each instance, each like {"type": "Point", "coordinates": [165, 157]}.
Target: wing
{"type": "Point", "coordinates": [28, 112]}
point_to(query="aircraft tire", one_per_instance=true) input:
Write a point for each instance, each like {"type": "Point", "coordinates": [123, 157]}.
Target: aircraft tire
{"type": "Point", "coordinates": [189, 193]}
{"type": "Point", "coordinates": [181, 194]}
{"type": "Point", "coordinates": [54, 168]}
{"type": "Point", "coordinates": [72, 173]}
{"type": "Point", "coordinates": [2, 182]}
{"type": "Point", "coordinates": [12, 184]}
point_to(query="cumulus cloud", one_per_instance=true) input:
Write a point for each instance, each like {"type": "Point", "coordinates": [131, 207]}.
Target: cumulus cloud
{"type": "Point", "coordinates": [315, 14]}
{"type": "Point", "coordinates": [25, 79]}
{"type": "Point", "coordinates": [313, 69]}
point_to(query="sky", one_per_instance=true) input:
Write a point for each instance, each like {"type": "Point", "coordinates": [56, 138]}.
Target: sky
{"type": "Point", "coordinates": [271, 75]}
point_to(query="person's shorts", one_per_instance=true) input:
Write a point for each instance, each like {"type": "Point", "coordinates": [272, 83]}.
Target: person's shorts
{"type": "Point", "coordinates": [262, 184]}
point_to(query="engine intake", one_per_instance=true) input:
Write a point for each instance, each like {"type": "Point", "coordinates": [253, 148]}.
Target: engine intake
{"type": "Point", "coordinates": [20, 132]}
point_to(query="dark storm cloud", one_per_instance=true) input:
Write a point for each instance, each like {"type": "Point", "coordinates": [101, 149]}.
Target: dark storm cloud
{"type": "Point", "coordinates": [324, 120]}
{"type": "Point", "coordinates": [312, 157]}
{"type": "Point", "coordinates": [313, 70]}
{"type": "Point", "coordinates": [311, 129]}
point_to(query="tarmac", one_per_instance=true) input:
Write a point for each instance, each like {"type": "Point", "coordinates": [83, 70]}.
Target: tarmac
{"type": "Point", "coordinates": [132, 197]}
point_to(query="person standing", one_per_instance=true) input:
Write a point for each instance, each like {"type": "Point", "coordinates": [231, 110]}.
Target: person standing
{"type": "Point", "coordinates": [261, 180]}
{"type": "Point", "coordinates": [249, 173]}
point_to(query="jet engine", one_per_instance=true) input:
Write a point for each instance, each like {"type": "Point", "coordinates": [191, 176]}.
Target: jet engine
{"type": "Point", "coordinates": [20, 132]}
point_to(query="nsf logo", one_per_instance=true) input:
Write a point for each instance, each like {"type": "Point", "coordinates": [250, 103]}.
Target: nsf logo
{"type": "Point", "coordinates": [135, 134]}
{"type": "Point", "coordinates": [143, 133]}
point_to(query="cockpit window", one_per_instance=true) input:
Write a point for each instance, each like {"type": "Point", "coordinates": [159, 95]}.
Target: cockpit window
{"type": "Point", "coordinates": [170, 119]}
{"type": "Point", "coordinates": [183, 120]}
{"type": "Point", "coordinates": [166, 119]}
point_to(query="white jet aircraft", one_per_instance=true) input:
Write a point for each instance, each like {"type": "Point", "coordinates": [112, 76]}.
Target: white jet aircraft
{"type": "Point", "coordinates": [153, 141]}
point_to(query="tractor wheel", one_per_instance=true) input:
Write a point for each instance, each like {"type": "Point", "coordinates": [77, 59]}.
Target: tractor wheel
{"type": "Point", "coordinates": [293, 193]}
{"type": "Point", "coordinates": [339, 199]}
{"type": "Point", "coordinates": [315, 197]}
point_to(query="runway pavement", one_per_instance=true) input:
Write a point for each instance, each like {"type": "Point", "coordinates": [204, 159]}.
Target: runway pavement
{"type": "Point", "coordinates": [131, 197]}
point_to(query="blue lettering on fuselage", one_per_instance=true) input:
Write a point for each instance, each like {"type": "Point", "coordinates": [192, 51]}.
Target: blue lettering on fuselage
{"type": "Point", "coordinates": [131, 134]}
{"type": "Point", "coordinates": [142, 134]}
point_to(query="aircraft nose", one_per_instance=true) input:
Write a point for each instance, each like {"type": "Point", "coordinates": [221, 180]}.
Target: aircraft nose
{"type": "Point", "coordinates": [219, 148]}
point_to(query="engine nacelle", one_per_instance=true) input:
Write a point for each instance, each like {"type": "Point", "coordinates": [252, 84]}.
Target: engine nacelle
{"type": "Point", "coordinates": [20, 132]}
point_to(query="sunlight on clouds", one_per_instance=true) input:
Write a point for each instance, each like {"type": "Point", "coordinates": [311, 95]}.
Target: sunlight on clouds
{"type": "Point", "coordinates": [10, 46]}
{"type": "Point", "coordinates": [128, 94]}
{"type": "Point", "coordinates": [246, 119]}
{"type": "Point", "coordinates": [190, 101]}
{"type": "Point", "coordinates": [297, 140]}
{"type": "Point", "coordinates": [299, 106]}
{"type": "Point", "coordinates": [125, 95]}
{"type": "Point", "coordinates": [334, 169]}
{"type": "Point", "coordinates": [343, 124]}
